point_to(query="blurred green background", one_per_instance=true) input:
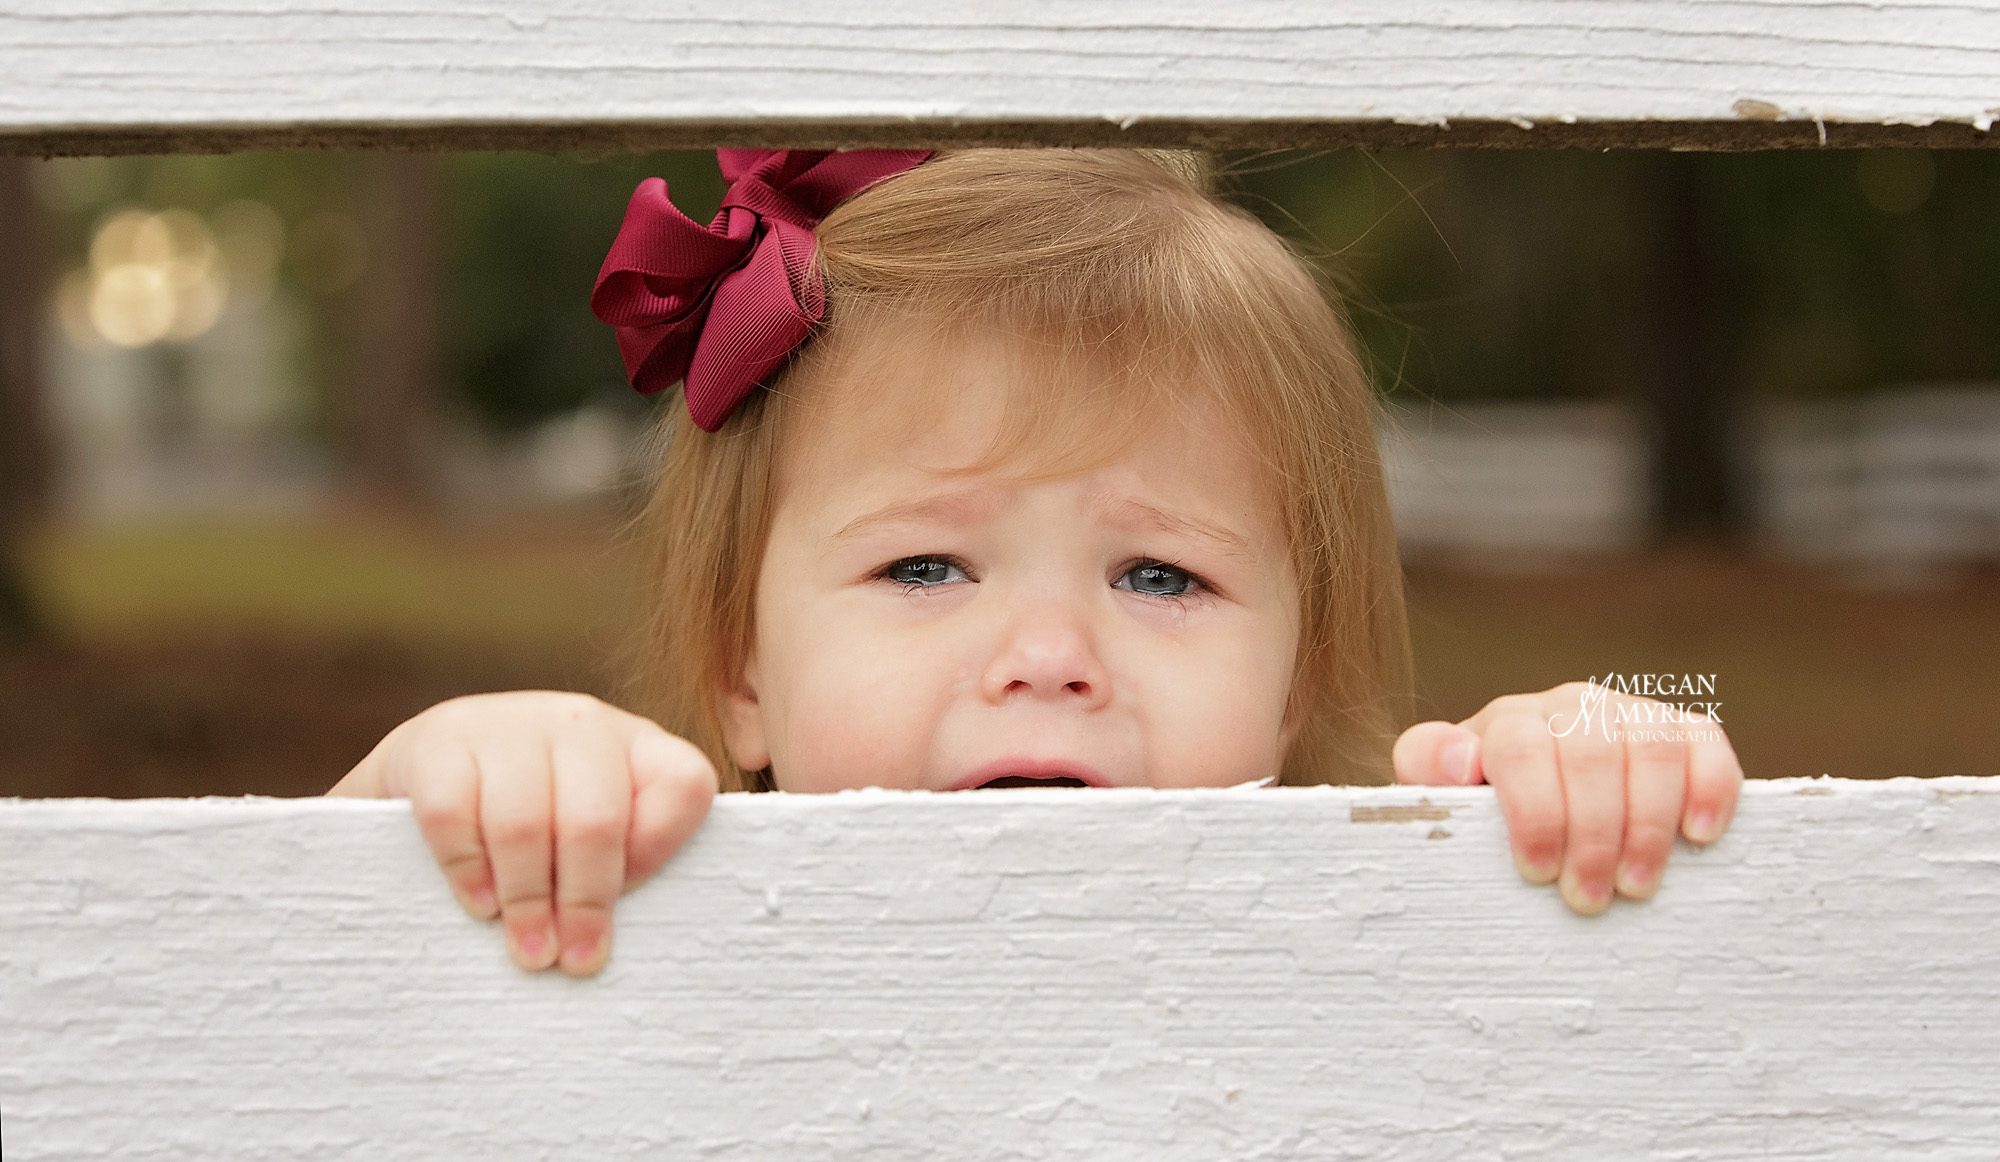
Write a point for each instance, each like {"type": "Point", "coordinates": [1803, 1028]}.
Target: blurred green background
{"type": "Point", "coordinates": [293, 445]}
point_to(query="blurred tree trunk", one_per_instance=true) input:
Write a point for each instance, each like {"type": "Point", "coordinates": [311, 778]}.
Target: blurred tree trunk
{"type": "Point", "coordinates": [1691, 405]}
{"type": "Point", "coordinates": [397, 367]}
{"type": "Point", "coordinates": [24, 435]}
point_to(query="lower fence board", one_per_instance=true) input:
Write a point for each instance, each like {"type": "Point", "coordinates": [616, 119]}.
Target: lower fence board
{"type": "Point", "coordinates": [1311, 973]}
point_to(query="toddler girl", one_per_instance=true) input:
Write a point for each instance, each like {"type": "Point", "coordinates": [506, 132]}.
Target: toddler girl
{"type": "Point", "coordinates": [998, 468]}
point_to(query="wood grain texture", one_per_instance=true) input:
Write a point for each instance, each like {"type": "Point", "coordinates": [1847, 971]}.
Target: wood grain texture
{"type": "Point", "coordinates": [1248, 974]}
{"type": "Point", "coordinates": [135, 75]}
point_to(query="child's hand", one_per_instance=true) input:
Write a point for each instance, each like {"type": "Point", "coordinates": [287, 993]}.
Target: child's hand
{"type": "Point", "coordinates": [542, 808]}
{"type": "Point", "coordinates": [1593, 802]}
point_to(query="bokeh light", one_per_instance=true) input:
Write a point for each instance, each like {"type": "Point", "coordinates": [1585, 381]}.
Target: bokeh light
{"type": "Point", "coordinates": [152, 276]}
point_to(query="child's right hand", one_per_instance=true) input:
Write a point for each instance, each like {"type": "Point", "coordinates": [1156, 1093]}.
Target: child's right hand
{"type": "Point", "coordinates": [1595, 811]}
{"type": "Point", "coordinates": [542, 808]}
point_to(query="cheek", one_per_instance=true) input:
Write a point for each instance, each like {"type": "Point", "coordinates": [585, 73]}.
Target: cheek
{"type": "Point", "coordinates": [1218, 717]}
{"type": "Point", "coordinates": [848, 710]}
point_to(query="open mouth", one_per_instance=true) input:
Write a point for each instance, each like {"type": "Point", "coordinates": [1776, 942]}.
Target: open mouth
{"type": "Point", "coordinates": [1029, 781]}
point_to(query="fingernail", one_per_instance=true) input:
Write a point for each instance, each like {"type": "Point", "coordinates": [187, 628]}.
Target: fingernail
{"type": "Point", "coordinates": [1457, 761]}
{"type": "Point", "coordinates": [1589, 899]}
{"type": "Point", "coordinates": [1536, 871]}
{"type": "Point", "coordinates": [1637, 880]}
{"type": "Point", "coordinates": [481, 903]}
{"type": "Point", "coordinates": [1701, 827]}
{"type": "Point", "coordinates": [530, 947]}
{"type": "Point", "coordinates": [581, 954]}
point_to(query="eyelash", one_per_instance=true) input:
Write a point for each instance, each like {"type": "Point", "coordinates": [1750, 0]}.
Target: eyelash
{"type": "Point", "coordinates": [887, 571]}
{"type": "Point", "coordinates": [1198, 586]}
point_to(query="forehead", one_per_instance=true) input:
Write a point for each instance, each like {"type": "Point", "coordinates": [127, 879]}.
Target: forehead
{"type": "Point", "coordinates": [1010, 408]}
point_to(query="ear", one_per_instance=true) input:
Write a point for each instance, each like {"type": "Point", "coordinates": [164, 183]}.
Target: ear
{"type": "Point", "coordinates": [743, 720]}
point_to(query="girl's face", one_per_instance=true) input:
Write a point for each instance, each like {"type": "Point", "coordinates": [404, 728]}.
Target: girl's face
{"type": "Point", "coordinates": [923, 627]}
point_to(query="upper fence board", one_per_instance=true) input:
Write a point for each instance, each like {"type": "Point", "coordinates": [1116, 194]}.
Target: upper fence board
{"type": "Point", "coordinates": [1212, 975]}
{"type": "Point", "coordinates": [154, 75]}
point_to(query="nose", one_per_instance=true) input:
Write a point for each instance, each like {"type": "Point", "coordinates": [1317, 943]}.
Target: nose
{"type": "Point", "coordinates": [1047, 653]}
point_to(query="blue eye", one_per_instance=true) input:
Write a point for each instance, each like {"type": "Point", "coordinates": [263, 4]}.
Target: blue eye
{"type": "Point", "coordinates": [924, 572]}
{"type": "Point", "coordinates": [1156, 579]}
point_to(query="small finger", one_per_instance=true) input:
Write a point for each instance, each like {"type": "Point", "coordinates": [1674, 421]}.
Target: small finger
{"type": "Point", "coordinates": [673, 784]}
{"type": "Point", "coordinates": [1655, 786]}
{"type": "Point", "coordinates": [1518, 757]}
{"type": "Point", "coordinates": [1437, 754]}
{"type": "Point", "coordinates": [1593, 780]}
{"type": "Point", "coordinates": [1715, 779]}
{"type": "Point", "coordinates": [515, 815]}
{"type": "Point", "coordinates": [592, 797]}
{"type": "Point", "coordinates": [443, 785]}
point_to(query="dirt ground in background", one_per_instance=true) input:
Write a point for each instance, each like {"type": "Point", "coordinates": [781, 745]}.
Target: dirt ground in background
{"type": "Point", "coordinates": [1815, 676]}
{"type": "Point", "coordinates": [1818, 673]}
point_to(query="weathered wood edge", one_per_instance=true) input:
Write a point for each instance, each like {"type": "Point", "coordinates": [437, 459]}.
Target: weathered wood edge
{"type": "Point", "coordinates": [1740, 135]}
{"type": "Point", "coordinates": [1371, 804]}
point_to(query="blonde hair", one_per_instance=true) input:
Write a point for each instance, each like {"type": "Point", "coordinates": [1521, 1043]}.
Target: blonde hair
{"type": "Point", "coordinates": [1136, 294]}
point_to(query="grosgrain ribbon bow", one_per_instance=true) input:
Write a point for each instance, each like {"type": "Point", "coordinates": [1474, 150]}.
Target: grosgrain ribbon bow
{"type": "Point", "coordinates": [723, 306]}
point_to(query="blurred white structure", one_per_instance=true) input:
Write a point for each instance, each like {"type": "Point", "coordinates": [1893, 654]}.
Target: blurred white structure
{"type": "Point", "coordinates": [1905, 478]}
{"type": "Point", "coordinates": [1517, 479]}
{"type": "Point", "coordinates": [213, 423]}
{"type": "Point", "coordinates": [570, 457]}
{"type": "Point", "coordinates": [177, 365]}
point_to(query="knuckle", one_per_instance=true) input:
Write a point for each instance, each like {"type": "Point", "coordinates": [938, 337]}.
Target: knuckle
{"type": "Point", "coordinates": [688, 774]}
{"type": "Point", "coordinates": [430, 753]}
{"type": "Point", "coordinates": [689, 756]}
{"type": "Point", "coordinates": [1658, 752]}
{"type": "Point", "coordinates": [465, 868]}
{"type": "Point", "coordinates": [525, 904]}
{"type": "Point", "coordinates": [1542, 845]}
{"type": "Point", "coordinates": [1591, 756]}
{"type": "Point", "coordinates": [1510, 706]}
{"type": "Point", "coordinates": [584, 914]}
{"type": "Point", "coordinates": [692, 789]}
{"type": "Point", "coordinates": [438, 813]}
{"type": "Point", "coordinates": [1539, 831]}
{"type": "Point", "coordinates": [1717, 771]}
{"type": "Point", "coordinates": [1593, 774]}
{"type": "Point", "coordinates": [514, 832]}
{"type": "Point", "coordinates": [456, 711]}
{"type": "Point", "coordinates": [1646, 837]}
{"type": "Point", "coordinates": [1591, 856]}
{"type": "Point", "coordinates": [591, 827]}
{"type": "Point", "coordinates": [571, 707]}
{"type": "Point", "coordinates": [1514, 740]}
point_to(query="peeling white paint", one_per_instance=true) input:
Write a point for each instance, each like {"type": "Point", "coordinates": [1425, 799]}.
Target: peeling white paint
{"type": "Point", "coordinates": [1022, 974]}
{"type": "Point", "coordinates": [100, 63]}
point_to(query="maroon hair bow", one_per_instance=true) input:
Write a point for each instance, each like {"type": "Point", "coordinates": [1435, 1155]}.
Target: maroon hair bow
{"type": "Point", "coordinates": [722, 307]}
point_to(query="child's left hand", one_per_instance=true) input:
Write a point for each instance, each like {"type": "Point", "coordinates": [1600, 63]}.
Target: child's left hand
{"type": "Point", "coordinates": [1592, 811]}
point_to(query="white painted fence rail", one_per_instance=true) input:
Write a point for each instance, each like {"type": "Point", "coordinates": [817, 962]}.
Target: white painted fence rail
{"type": "Point", "coordinates": [1318, 973]}
{"type": "Point", "coordinates": [154, 75]}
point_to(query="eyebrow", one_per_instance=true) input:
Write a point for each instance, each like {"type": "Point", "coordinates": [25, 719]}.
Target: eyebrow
{"type": "Point", "coordinates": [967, 506]}
{"type": "Point", "coordinates": [963, 506]}
{"type": "Point", "coordinates": [1134, 513]}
